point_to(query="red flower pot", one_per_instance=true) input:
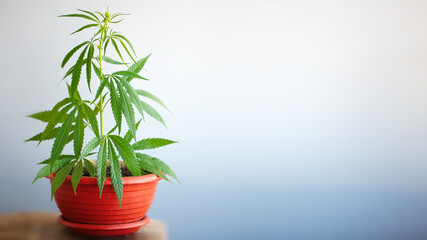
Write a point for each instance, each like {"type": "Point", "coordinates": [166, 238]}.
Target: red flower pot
{"type": "Point", "coordinates": [86, 207]}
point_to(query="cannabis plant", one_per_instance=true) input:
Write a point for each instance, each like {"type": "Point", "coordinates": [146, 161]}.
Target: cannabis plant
{"type": "Point", "coordinates": [70, 119]}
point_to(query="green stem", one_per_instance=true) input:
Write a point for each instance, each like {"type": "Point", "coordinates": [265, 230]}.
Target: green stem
{"type": "Point", "coordinates": [101, 110]}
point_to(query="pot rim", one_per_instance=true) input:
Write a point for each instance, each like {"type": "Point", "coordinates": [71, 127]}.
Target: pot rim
{"type": "Point", "coordinates": [126, 180]}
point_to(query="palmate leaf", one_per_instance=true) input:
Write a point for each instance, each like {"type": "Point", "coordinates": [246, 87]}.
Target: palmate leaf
{"type": "Point", "coordinates": [101, 165]}
{"type": "Point", "coordinates": [84, 27]}
{"type": "Point", "coordinates": [133, 96]}
{"type": "Point", "coordinates": [75, 78]}
{"type": "Point", "coordinates": [78, 16]}
{"type": "Point", "coordinates": [71, 53]}
{"type": "Point", "coordinates": [91, 116]}
{"type": "Point", "coordinates": [151, 143]}
{"type": "Point", "coordinates": [112, 61]}
{"type": "Point", "coordinates": [151, 96]}
{"type": "Point", "coordinates": [60, 177]}
{"type": "Point", "coordinates": [51, 135]}
{"type": "Point", "coordinates": [126, 153]}
{"type": "Point", "coordinates": [127, 108]}
{"type": "Point", "coordinates": [116, 173]}
{"type": "Point", "coordinates": [89, 65]}
{"type": "Point", "coordinates": [51, 125]}
{"type": "Point", "coordinates": [136, 67]}
{"type": "Point", "coordinates": [90, 146]}
{"type": "Point", "coordinates": [152, 112]}
{"type": "Point", "coordinates": [129, 74]}
{"type": "Point", "coordinates": [147, 166]}
{"type": "Point", "coordinates": [79, 133]}
{"type": "Point", "coordinates": [61, 138]}
{"type": "Point", "coordinates": [115, 106]}
{"type": "Point", "coordinates": [47, 169]}
{"type": "Point", "coordinates": [161, 166]}
{"type": "Point", "coordinates": [90, 167]}
{"type": "Point", "coordinates": [77, 175]}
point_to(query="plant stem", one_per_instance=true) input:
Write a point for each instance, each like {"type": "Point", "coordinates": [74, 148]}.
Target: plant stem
{"type": "Point", "coordinates": [101, 110]}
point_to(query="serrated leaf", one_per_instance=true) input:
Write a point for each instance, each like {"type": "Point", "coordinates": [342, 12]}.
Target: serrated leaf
{"type": "Point", "coordinates": [126, 49]}
{"type": "Point", "coordinates": [51, 135]}
{"type": "Point", "coordinates": [101, 87]}
{"type": "Point", "coordinates": [89, 65]}
{"type": "Point", "coordinates": [71, 53]}
{"type": "Point", "coordinates": [90, 146]}
{"type": "Point", "coordinates": [87, 12]}
{"type": "Point", "coordinates": [136, 67]}
{"type": "Point", "coordinates": [128, 74]}
{"type": "Point", "coordinates": [117, 50]}
{"type": "Point", "coordinates": [147, 166]}
{"type": "Point", "coordinates": [133, 96]}
{"type": "Point", "coordinates": [78, 134]}
{"type": "Point", "coordinates": [47, 161]}
{"type": "Point", "coordinates": [53, 123]}
{"type": "Point", "coordinates": [116, 173]}
{"type": "Point", "coordinates": [60, 177]}
{"type": "Point", "coordinates": [84, 27]}
{"type": "Point", "coordinates": [91, 116]}
{"type": "Point", "coordinates": [151, 143]}
{"type": "Point", "coordinates": [126, 153]}
{"type": "Point", "coordinates": [61, 138]}
{"type": "Point", "coordinates": [112, 61]}
{"type": "Point", "coordinates": [128, 135]}
{"type": "Point", "coordinates": [75, 78]}
{"type": "Point", "coordinates": [96, 70]}
{"type": "Point", "coordinates": [115, 106]}
{"type": "Point", "coordinates": [77, 175]}
{"type": "Point", "coordinates": [127, 108]}
{"type": "Point", "coordinates": [151, 96]}
{"type": "Point", "coordinates": [47, 169]}
{"type": "Point", "coordinates": [128, 42]}
{"type": "Point", "coordinates": [78, 16]}
{"type": "Point", "coordinates": [101, 165]}
{"type": "Point", "coordinates": [162, 167]}
{"type": "Point", "coordinates": [152, 112]}
{"type": "Point", "coordinates": [90, 167]}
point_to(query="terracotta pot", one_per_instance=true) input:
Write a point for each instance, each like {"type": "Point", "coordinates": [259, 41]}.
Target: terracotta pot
{"type": "Point", "coordinates": [87, 208]}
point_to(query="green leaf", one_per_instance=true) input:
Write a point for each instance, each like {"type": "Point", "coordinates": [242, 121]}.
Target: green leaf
{"type": "Point", "coordinates": [71, 53]}
{"type": "Point", "coordinates": [50, 126]}
{"type": "Point", "coordinates": [75, 78]}
{"type": "Point", "coordinates": [101, 165]}
{"type": "Point", "coordinates": [136, 67]}
{"type": "Point", "coordinates": [47, 169]}
{"type": "Point", "coordinates": [60, 177]}
{"type": "Point", "coordinates": [112, 61]}
{"type": "Point", "coordinates": [84, 27]}
{"type": "Point", "coordinates": [90, 167]}
{"type": "Point", "coordinates": [51, 135]}
{"type": "Point", "coordinates": [79, 134]}
{"type": "Point", "coordinates": [152, 97]}
{"type": "Point", "coordinates": [117, 50]}
{"type": "Point", "coordinates": [128, 42]}
{"type": "Point", "coordinates": [47, 161]}
{"type": "Point", "coordinates": [78, 16]}
{"type": "Point", "coordinates": [91, 116]}
{"type": "Point", "coordinates": [133, 97]}
{"type": "Point", "coordinates": [116, 107]}
{"type": "Point", "coordinates": [127, 50]}
{"type": "Point", "coordinates": [151, 143]}
{"type": "Point", "coordinates": [162, 167]}
{"type": "Point", "coordinates": [146, 165]}
{"type": "Point", "coordinates": [128, 135]}
{"type": "Point", "coordinates": [77, 175]}
{"type": "Point", "coordinates": [61, 138]}
{"type": "Point", "coordinates": [116, 173]}
{"type": "Point", "coordinates": [89, 65]}
{"type": "Point", "coordinates": [106, 45]}
{"type": "Point", "coordinates": [96, 70]}
{"type": "Point", "coordinates": [127, 154]}
{"type": "Point", "coordinates": [127, 109]}
{"type": "Point", "coordinates": [87, 12]}
{"type": "Point", "coordinates": [152, 112]}
{"type": "Point", "coordinates": [129, 74]}
{"type": "Point", "coordinates": [90, 146]}
{"type": "Point", "coordinates": [101, 87]}
{"type": "Point", "coordinates": [44, 116]}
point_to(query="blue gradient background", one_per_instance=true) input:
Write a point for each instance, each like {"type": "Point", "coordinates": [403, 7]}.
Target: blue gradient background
{"type": "Point", "coordinates": [296, 119]}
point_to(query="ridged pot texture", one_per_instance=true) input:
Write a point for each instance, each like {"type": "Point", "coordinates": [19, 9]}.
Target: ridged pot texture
{"type": "Point", "coordinates": [87, 207]}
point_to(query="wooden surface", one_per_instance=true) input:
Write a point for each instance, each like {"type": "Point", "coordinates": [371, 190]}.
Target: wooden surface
{"type": "Point", "coordinates": [43, 226]}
